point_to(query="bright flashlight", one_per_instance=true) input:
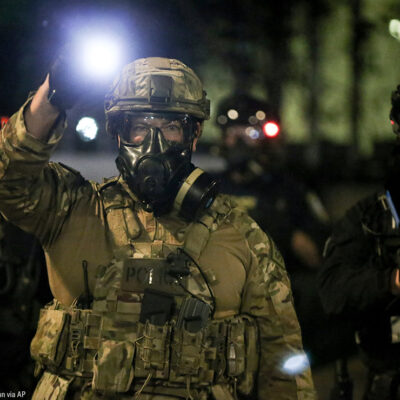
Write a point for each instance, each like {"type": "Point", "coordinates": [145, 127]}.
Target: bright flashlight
{"type": "Point", "coordinates": [271, 129]}
{"type": "Point", "coordinates": [296, 364]}
{"type": "Point", "coordinates": [101, 56]}
{"type": "Point", "coordinates": [87, 129]}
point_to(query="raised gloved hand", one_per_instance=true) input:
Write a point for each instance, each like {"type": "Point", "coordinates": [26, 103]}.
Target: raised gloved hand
{"type": "Point", "coordinates": [67, 83]}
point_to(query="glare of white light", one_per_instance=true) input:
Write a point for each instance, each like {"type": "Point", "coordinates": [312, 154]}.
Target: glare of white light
{"type": "Point", "coordinates": [394, 28]}
{"type": "Point", "coordinates": [222, 120]}
{"type": "Point", "coordinates": [296, 364]}
{"type": "Point", "coordinates": [271, 129]}
{"type": "Point", "coordinates": [87, 129]}
{"type": "Point", "coordinates": [101, 56]}
{"type": "Point", "coordinates": [260, 115]}
{"type": "Point", "coordinates": [233, 114]}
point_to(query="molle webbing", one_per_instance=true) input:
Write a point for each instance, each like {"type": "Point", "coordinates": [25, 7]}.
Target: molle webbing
{"type": "Point", "coordinates": [199, 232]}
{"type": "Point", "coordinates": [67, 340]}
{"type": "Point", "coordinates": [127, 222]}
{"type": "Point", "coordinates": [123, 225]}
{"type": "Point", "coordinates": [211, 355]}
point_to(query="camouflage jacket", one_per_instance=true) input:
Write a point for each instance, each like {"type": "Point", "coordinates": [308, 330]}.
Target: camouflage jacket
{"type": "Point", "coordinates": [68, 214]}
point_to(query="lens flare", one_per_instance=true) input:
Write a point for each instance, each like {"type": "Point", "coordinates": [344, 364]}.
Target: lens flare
{"type": "Point", "coordinates": [87, 129]}
{"type": "Point", "coordinates": [260, 115]}
{"type": "Point", "coordinates": [296, 364]}
{"type": "Point", "coordinates": [271, 129]}
{"type": "Point", "coordinates": [222, 119]}
{"type": "Point", "coordinates": [101, 56]}
{"type": "Point", "coordinates": [253, 120]}
{"type": "Point", "coordinates": [252, 132]}
{"type": "Point", "coordinates": [233, 114]}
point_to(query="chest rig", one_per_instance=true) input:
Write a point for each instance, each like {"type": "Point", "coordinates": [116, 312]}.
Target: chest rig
{"type": "Point", "coordinates": [154, 303]}
{"type": "Point", "coordinates": [151, 322]}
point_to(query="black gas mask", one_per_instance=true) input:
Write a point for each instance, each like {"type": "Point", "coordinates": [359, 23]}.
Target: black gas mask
{"type": "Point", "coordinates": [155, 161]}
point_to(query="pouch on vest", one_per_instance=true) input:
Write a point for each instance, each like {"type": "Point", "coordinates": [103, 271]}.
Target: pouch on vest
{"type": "Point", "coordinates": [187, 355]}
{"type": "Point", "coordinates": [49, 344]}
{"type": "Point", "coordinates": [51, 387]}
{"type": "Point", "coordinates": [246, 380]}
{"type": "Point", "coordinates": [235, 348]}
{"type": "Point", "coordinates": [194, 315]}
{"type": "Point", "coordinates": [152, 350]}
{"type": "Point", "coordinates": [113, 369]}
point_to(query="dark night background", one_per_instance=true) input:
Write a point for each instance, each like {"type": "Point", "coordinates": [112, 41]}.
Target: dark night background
{"type": "Point", "coordinates": [328, 66]}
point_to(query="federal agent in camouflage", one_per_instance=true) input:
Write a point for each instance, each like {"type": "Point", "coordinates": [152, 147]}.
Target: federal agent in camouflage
{"type": "Point", "coordinates": [148, 307]}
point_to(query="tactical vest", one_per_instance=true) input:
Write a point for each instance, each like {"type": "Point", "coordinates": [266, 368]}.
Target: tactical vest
{"type": "Point", "coordinates": [151, 321]}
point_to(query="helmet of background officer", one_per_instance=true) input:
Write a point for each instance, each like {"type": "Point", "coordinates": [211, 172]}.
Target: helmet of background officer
{"type": "Point", "coordinates": [250, 132]}
{"type": "Point", "coordinates": [156, 108]}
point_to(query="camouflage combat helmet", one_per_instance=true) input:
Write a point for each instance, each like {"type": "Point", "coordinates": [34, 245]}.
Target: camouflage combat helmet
{"type": "Point", "coordinates": [157, 85]}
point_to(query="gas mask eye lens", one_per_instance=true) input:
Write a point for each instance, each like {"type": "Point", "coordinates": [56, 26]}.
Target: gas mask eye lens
{"type": "Point", "coordinates": [137, 127]}
{"type": "Point", "coordinates": [137, 133]}
{"type": "Point", "coordinates": [173, 132]}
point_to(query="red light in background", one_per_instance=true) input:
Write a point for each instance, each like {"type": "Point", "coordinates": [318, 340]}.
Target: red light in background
{"type": "Point", "coordinates": [3, 121]}
{"type": "Point", "coordinates": [271, 129]}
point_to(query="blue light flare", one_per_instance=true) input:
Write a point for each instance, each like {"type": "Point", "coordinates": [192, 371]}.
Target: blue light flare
{"type": "Point", "coordinates": [295, 364]}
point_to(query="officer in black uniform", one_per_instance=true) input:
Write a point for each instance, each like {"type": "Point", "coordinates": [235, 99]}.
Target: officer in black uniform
{"type": "Point", "coordinates": [253, 148]}
{"type": "Point", "coordinates": [360, 281]}
{"type": "Point", "coordinates": [23, 291]}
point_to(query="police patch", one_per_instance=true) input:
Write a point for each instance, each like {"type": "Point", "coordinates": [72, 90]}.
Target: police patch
{"type": "Point", "coordinates": [141, 273]}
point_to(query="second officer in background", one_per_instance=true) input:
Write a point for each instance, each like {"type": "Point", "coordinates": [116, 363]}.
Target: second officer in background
{"type": "Point", "coordinates": [256, 175]}
{"type": "Point", "coordinates": [360, 278]}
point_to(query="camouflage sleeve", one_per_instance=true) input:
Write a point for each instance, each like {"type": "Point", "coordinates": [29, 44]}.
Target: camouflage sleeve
{"type": "Point", "coordinates": [268, 298]}
{"type": "Point", "coordinates": [33, 194]}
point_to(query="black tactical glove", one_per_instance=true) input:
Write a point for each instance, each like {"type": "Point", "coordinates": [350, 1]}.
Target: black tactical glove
{"type": "Point", "coordinates": [67, 83]}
